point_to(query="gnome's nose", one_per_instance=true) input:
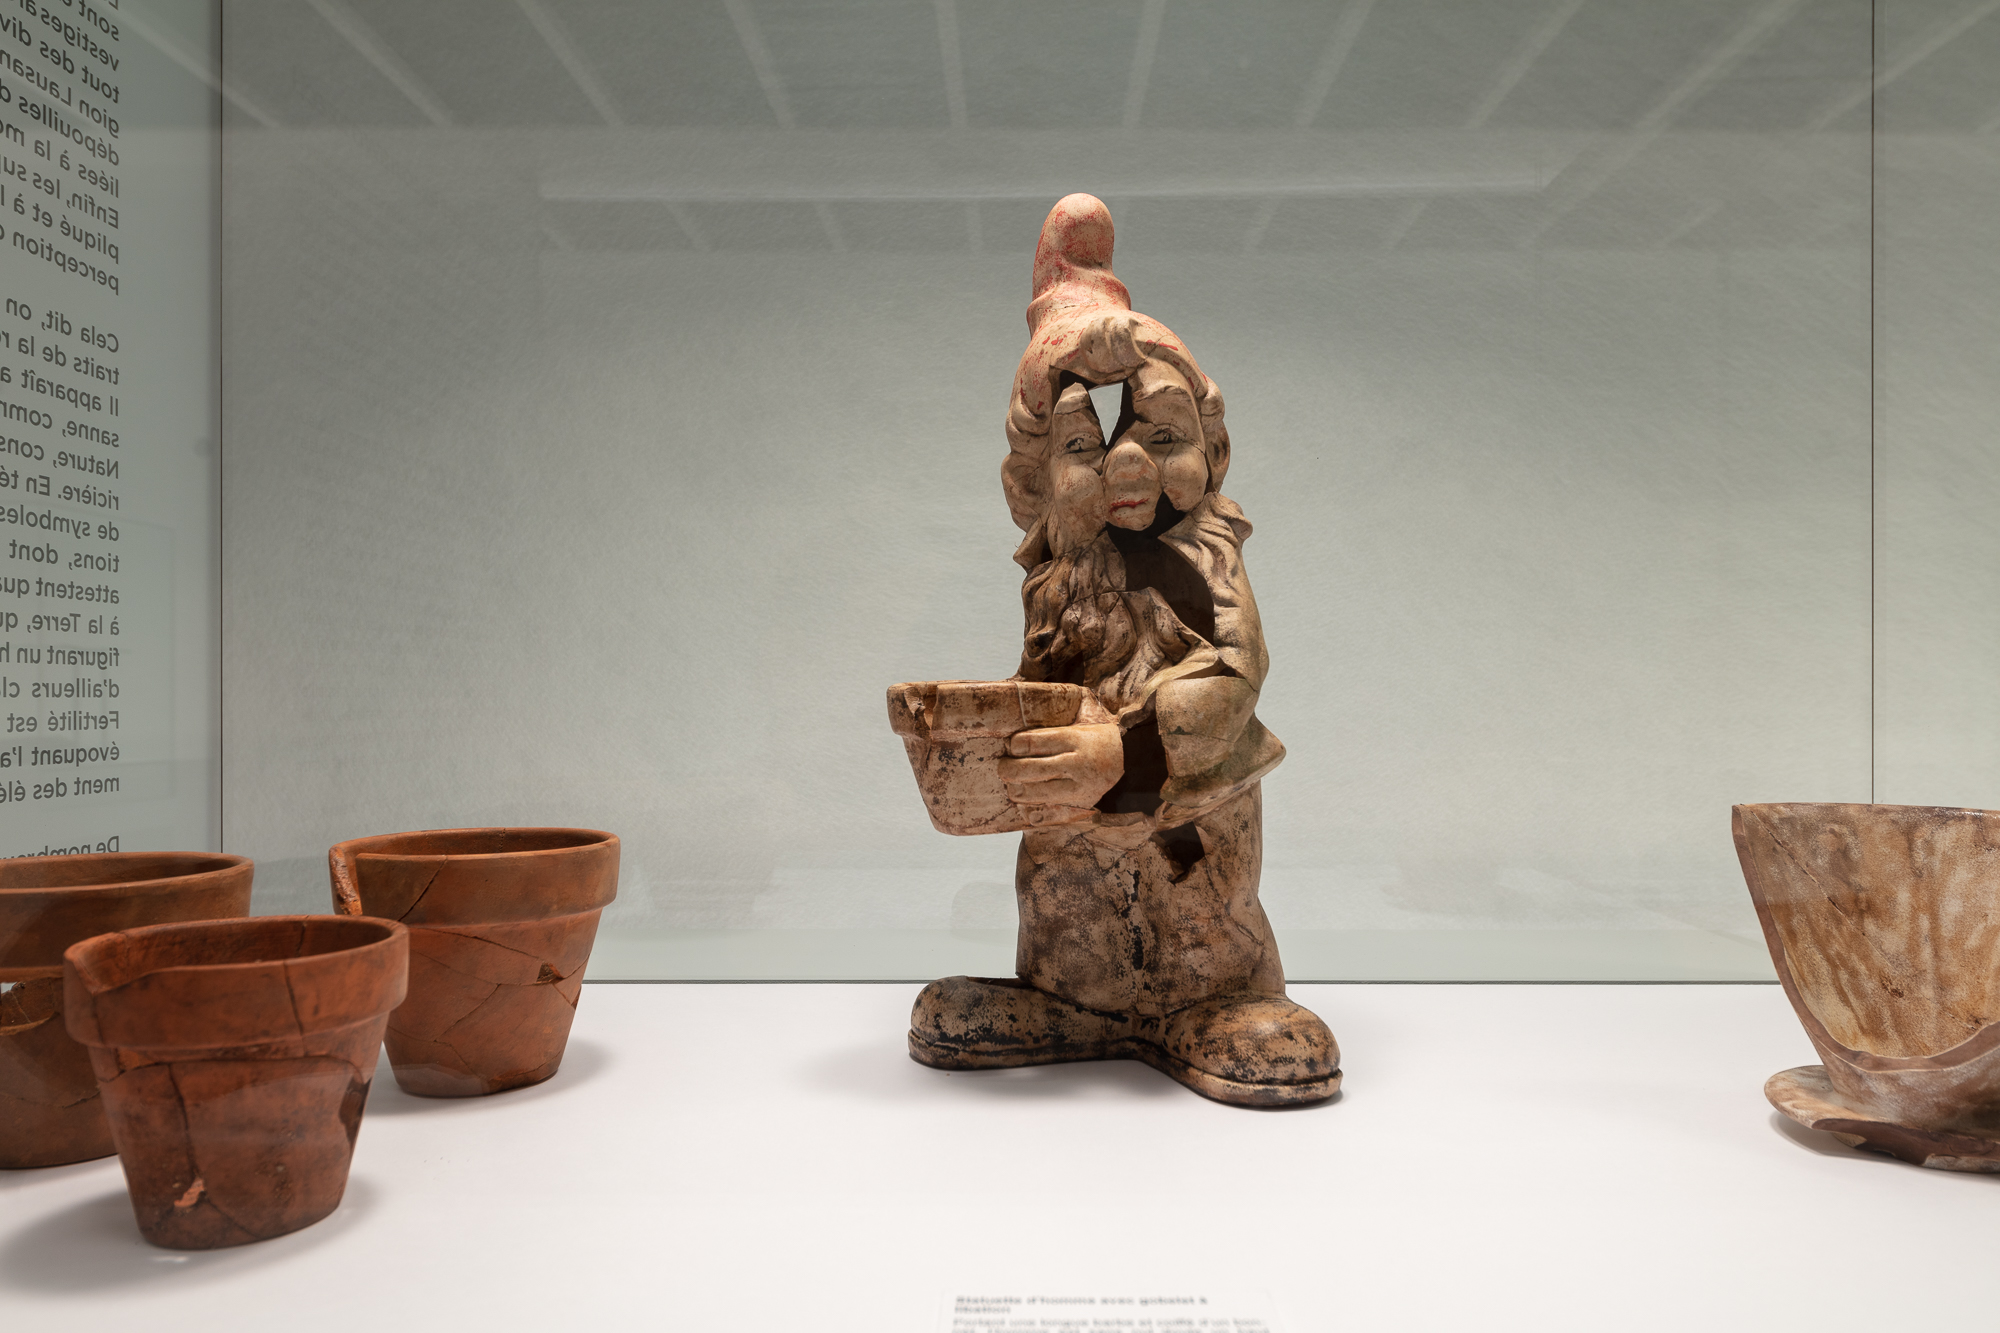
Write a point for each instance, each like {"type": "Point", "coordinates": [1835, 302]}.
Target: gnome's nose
{"type": "Point", "coordinates": [1129, 464]}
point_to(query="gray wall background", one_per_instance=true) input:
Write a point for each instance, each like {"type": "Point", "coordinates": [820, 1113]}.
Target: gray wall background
{"type": "Point", "coordinates": [612, 406]}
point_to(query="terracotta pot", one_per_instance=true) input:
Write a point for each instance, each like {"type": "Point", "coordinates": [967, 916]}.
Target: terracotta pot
{"type": "Point", "coordinates": [956, 732]}
{"type": "Point", "coordinates": [49, 1107]}
{"type": "Point", "coordinates": [1884, 924]}
{"type": "Point", "coordinates": [501, 923]}
{"type": "Point", "coordinates": [235, 1058]}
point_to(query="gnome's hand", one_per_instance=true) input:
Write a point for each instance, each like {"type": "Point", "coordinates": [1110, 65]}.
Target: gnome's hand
{"type": "Point", "coordinates": [1063, 766]}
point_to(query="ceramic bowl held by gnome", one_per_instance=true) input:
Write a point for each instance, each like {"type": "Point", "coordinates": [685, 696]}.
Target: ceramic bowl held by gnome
{"type": "Point", "coordinates": [956, 733]}
{"type": "Point", "coordinates": [235, 1059]}
{"type": "Point", "coordinates": [49, 1107]}
{"type": "Point", "coordinates": [501, 923]}
{"type": "Point", "coordinates": [1884, 923]}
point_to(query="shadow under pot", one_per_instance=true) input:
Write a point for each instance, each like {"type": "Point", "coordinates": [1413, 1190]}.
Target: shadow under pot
{"type": "Point", "coordinates": [235, 1059]}
{"type": "Point", "coordinates": [50, 1112]}
{"type": "Point", "coordinates": [501, 925]}
{"type": "Point", "coordinates": [1884, 924]}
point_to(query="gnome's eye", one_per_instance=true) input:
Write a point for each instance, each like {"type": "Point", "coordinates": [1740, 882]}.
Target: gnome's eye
{"type": "Point", "coordinates": [1083, 444]}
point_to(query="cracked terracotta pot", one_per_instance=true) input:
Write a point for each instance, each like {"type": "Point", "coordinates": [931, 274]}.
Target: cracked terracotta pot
{"type": "Point", "coordinates": [49, 1107]}
{"type": "Point", "coordinates": [1884, 924]}
{"type": "Point", "coordinates": [235, 1059]}
{"type": "Point", "coordinates": [501, 923]}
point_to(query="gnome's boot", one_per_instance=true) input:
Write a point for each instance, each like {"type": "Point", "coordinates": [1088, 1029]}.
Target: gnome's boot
{"type": "Point", "coordinates": [1134, 945]}
{"type": "Point", "coordinates": [1248, 1050]}
{"type": "Point", "coordinates": [991, 1023]}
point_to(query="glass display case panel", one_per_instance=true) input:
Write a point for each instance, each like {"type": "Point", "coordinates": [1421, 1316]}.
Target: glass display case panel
{"type": "Point", "coordinates": [1937, 399]}
{"type": "Point", "coordinates": [110, 167]}
{"type": "Point", "coordinates": [615, 396]}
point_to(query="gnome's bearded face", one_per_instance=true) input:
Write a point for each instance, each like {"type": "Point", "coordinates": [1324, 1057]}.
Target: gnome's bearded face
{"type": "Point", "coordinates": [1064, 483]}
{"type": "Point", "coordinates": [1073, 475]}
{"type": "Point", "coordinates": [1158, 452]}
{"type": "Point", "coordinates": [1159, 449]}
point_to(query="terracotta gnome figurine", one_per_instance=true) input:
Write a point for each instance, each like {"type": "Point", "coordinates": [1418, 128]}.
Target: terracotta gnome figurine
{"type": "Point", "coordinates": [1141, 936]}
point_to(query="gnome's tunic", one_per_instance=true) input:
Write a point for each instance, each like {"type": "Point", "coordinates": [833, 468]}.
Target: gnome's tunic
{"type": "Point", "coordinates": [1151, 904]}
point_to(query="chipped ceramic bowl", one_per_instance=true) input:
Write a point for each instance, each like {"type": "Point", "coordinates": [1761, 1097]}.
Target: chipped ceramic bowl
{"type": "Point", "coordinates": [956, 732]}
{"type": "Point", "coordinates": [1884, 924]}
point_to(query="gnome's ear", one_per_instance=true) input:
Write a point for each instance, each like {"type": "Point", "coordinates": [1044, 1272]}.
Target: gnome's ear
{"type": "Point", "coordinates": [1022, 479]}
{"type": "Point", "coordinates": [1033, 551]}
{"type": "Point", "coordinates": [1214, 435]}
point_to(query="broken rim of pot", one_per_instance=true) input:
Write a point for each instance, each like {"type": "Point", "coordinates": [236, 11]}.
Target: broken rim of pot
{"type": "Point", "coordinates": [48, 903]}
{"type": "Point", "coordinates": [253, 981]}
{"type": "Point", "coordinates": [471, 876]}
{"type": "Point", "coordinates": [1884, 924]}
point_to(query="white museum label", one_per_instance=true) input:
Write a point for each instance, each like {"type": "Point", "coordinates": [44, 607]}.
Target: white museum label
{"type": "Point", "coordinates": [1088, 1312]}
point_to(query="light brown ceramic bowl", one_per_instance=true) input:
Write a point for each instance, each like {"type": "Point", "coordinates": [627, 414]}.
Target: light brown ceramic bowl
{"type": "Point", "coordinates": [956, 731]}
{"type": "Point", "coordinates": [1884, 924]}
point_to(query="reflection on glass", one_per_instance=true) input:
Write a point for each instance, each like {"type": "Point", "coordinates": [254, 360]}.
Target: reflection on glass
{"type": "Point", "coordinates": [642, 362]}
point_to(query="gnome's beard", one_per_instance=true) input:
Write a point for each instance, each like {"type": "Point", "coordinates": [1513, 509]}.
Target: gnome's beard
{"type": "Point", "coordinates": [1085, 629]}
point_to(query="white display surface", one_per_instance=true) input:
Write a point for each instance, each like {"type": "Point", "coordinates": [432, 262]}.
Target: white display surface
{"type": "Point", "coordinates": [767, 1158]}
